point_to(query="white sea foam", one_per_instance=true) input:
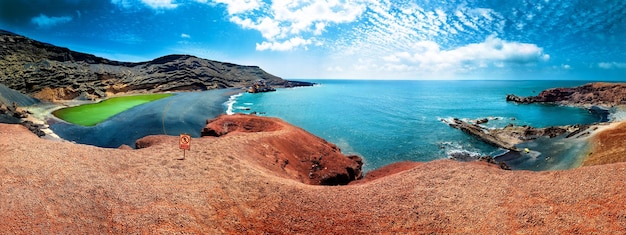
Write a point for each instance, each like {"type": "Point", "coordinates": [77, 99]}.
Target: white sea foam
{"type": "Point", "coordinates": [448, 120]}
{"type": "Point", "coordinates": [618, 115]}
{"type": "Point", "coordinates": [455, 150]}
{"type": "Point", "coordinates": [231, 101]}
{"type": "Point", "coordinates": [462, 154]}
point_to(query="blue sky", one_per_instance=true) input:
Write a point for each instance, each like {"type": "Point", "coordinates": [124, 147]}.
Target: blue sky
{"type": "Point", "coordinates": [368, 39]}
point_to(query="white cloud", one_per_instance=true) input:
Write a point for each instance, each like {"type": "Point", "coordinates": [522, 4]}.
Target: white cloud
{"type": "Point", "coordinates": [427, 56]}
{"type": "Point", "coordinates": [283, 46]}
{"type": "Point", "coordinates": [239, 6]}
{"type": "Point", "coordinates": [184, 35]}
{"type": "Point", "coordinates": [611, 65]}
{"type": "Point", "coordinates": [160, 4]}
{"type": "Point", "coordinates": [297, 20]}
{"type": "Point", "coordinates": [45, 21]}
{"type": "Point", "coordinates": [268, 27]}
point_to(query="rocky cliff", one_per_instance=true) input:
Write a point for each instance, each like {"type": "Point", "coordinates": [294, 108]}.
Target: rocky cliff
{"type": "Point", "coordinates": [310, 160]}
{"type": "Point", "coordinates": [600, 94]}
{"type": "Point", "coordinates": [49, 72]}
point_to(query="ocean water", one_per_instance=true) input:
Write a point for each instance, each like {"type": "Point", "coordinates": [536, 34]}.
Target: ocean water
{"type": "Point", "coordinates": [391, 121]}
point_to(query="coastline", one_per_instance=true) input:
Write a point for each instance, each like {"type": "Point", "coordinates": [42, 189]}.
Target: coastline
{"type": "Point", "coordinates": [149, 118]}
{"type": "Point", "coordinates": [243, 182]}
{"type": "Point", "coordinates": [229, 105]}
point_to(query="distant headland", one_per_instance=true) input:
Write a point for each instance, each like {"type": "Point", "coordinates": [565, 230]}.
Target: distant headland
{"type": "Point", "coordinates": [49, 72]}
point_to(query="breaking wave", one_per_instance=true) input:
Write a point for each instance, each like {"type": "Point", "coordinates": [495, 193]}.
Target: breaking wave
{"type": "Point", "coordinates": [230, 102]}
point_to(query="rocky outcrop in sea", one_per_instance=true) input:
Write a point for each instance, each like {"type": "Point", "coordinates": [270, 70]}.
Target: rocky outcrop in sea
{"type": "Point", "coordinates": [260, 86]}
{"type": "Point", "coordinates": [593, 94]}
{"type": "Point", "coordinates": [597, 98]}
{"type": "Point", "coordinates": [511, 135]}
{"type": "Point", "coordinates": [50, 72]}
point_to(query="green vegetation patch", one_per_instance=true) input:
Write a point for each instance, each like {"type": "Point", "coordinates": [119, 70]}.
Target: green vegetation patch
{"type": "Point", "coordinates": [92, 114]}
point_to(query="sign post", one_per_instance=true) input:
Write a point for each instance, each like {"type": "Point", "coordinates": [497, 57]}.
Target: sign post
{"type": "Point", "coordinates": [184, 143]}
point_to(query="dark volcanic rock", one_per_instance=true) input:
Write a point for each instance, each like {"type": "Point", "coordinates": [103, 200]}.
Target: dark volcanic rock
{"type": "Point", "coordinates": [598, 94]}
{"type": "Point", "coordinates": [511, 135]}
{"type": "Point", "coordinates": [483, 134]}
{"type": "Point", "coordinates": [50, 72]}
{"type": "Point", "coordinates": [260, 86]}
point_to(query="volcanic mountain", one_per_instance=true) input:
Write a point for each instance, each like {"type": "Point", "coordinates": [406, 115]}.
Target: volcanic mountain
{"type": "Point", "coordinates": [50, 72]}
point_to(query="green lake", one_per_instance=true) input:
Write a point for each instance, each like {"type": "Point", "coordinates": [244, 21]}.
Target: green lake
{"type": "Point", "coordinates": [92, 114]}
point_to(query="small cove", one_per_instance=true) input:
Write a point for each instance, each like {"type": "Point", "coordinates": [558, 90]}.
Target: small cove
{"type": "Point", "coordinates": [182, 112]}
{"type": "Point", "coordinates": [94, 113]}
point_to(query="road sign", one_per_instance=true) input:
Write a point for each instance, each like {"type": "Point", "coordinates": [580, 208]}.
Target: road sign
{"type": "Point", "coordinates": [185, 141]}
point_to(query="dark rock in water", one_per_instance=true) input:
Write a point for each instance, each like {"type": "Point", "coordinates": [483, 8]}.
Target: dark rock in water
{"type": "Point", "coordinates": [482, 133]}
{"type": "Point", "coordinates": [481, 121]}
{"type": "Point", "coordinates": [260, 86]}
{"type": "Point", "coordinates": [263, 86]}
{"type": "Point", "coordinates": [592, 94]}
{"type": "Point", "coordinates": [49, 72]}
{"type": "Point", "coordinates": [291, 84]}
{"type": "Point", "coordinates": [518, 99]}
{"type": "Point", "coordinates": [511, 135]}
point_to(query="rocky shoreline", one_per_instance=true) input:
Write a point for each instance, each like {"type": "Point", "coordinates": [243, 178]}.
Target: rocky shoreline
{"type": "Point", "coordinates": [511, 135]}
{"type": "Point", "coordinates": [600, 94]}
{"type": "Point", "coordinates": [598, 98]}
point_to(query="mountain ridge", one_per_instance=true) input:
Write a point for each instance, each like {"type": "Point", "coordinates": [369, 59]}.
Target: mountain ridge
{"type": "Point", "coordinates": [50, 72]}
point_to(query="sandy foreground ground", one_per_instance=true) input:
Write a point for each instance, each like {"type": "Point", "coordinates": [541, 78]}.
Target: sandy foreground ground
{"type": "Point", "coordinates": [228, 185]}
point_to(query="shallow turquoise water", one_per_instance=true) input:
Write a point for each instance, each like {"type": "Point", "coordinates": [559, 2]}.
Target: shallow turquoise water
{"type": "Point", "coordinates": [390, 121]}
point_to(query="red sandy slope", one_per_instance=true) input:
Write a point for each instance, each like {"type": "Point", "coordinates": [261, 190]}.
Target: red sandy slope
{"type": "Point", "coordinates": [231, 185]}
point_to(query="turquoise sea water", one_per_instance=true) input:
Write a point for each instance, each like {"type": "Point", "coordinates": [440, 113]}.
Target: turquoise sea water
{"type": "Point", "coordinates": [391, 121]}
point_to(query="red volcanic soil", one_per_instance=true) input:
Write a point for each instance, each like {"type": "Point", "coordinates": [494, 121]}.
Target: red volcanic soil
{"type": "Point", "coordinates": [233, 184]}
{"type": "Point", "coordinates": [608, 146]}
{"type": "Point", "coordinates": [289, 150]}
